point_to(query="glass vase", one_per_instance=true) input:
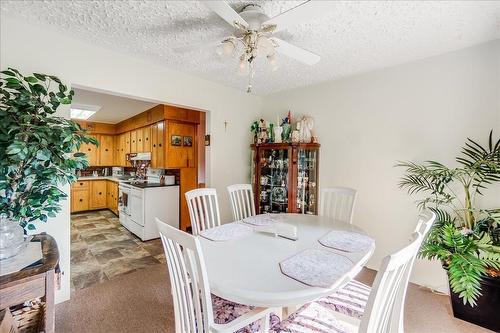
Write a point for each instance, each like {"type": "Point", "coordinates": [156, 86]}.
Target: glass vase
{"type": "Point", "coordinates": [11, 238]}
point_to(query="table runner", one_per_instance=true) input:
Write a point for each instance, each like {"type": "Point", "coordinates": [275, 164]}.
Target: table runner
{"type": "Point", "coordinates": [316, 267]}
{"type": "Point", "coordinates": [227, 232]}
{"type": "Point", "coordinates": [347, 241]}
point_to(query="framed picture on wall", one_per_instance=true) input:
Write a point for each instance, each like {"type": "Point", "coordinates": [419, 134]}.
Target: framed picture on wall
{"type": "Point", "coordinates": [187, 141]}
{"type": "Point", "coordinates": [176, 140]}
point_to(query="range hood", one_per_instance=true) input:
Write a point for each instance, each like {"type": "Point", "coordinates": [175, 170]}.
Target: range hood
{"type": "Point", "coordinates": [140, 156]}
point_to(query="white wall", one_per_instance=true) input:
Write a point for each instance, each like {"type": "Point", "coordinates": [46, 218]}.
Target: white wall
{"type": "Point", "coordinates": [418, 111]}
{"type": "Point", "coordinates": [37, 49]}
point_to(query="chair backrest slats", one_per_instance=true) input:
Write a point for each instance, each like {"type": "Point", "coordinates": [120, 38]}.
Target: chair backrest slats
{"type": "Point", "coordinates": [384, 311]}
{"type": "Point", "coordinates": [190, 291]}
{"type": "Point", "coordinates": [242, 201]}
{"type": "Point", "coordinates": [338, 203]}
{"type": "Point", "coordinates": [203, 209]}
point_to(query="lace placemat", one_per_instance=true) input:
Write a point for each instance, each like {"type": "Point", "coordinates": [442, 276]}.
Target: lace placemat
{"type": "Point", "coordinates": [227, 232]}
{"type": "Point", "coordinates": [316, 267]}
{"type": "Point", "coordinates": [260, 220]}
{"type": "Point", "coordinates": [347, 241]}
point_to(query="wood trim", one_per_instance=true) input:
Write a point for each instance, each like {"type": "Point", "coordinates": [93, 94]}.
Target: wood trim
{"type": "Point", "coordinates": [97, 128]}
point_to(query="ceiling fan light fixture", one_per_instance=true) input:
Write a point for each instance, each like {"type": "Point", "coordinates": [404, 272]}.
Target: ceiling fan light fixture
{"type": "Point", "coordinates": [243, 68]}
{"type": "Point", "coordinates": [273, 62]}
{"type": "Point", "coordinates": [225, 48]}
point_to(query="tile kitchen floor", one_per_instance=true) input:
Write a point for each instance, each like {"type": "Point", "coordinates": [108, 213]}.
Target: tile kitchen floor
{"type": "Point", "coordinates": [102, 249]}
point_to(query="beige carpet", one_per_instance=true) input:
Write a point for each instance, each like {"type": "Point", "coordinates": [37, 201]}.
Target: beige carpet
{"type": "Point", "coordinates": [141, 302]}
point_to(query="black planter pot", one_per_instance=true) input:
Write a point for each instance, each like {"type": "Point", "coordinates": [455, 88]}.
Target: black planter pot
{"type": "Point", "coordinates": [487, 311]}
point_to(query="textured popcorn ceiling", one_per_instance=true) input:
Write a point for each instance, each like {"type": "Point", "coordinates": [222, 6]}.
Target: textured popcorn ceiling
{"type": "Point", "coordinates": [353, 37]}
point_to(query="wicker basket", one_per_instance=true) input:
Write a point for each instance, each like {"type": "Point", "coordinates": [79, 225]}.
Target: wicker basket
{"type": "Point", "coordinates": [29, 316]}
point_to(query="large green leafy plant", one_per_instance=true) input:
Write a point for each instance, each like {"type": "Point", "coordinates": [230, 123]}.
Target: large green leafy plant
{"type": "Point", "coordinates": [465, 237]}
{"type": "Point", "coordinates": [37, 148]}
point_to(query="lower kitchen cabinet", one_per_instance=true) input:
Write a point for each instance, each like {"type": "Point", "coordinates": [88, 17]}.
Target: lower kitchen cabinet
{"type": "Point", "coordinates": [112, 196]}
{"type": "Point", "coordinates": [79, 200]}
{"type": "Point", "coordinates": [94, 194]}
{"type": "Point", "coordinates": [98, 194]}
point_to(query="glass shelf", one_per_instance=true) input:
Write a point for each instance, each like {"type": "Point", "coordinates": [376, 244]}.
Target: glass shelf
{"type": "Point", "coordinates": [273, 182]}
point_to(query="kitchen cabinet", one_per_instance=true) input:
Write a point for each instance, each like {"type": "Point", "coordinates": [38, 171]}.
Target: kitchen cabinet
{"type": "Point", "coordinates": [106, 143]}
{"type": "Point", "coordinates": [97, 194]}
{"type": "Point", "coordinates": [112, 196]}
{"type": "Point", "coordinates": [158, 145]}
{"type": "Point", "coordinates": [116, 150]}
{"type": "Point", "coordinates": [146, 139]}
{"type": "Point", "coordinates": [94, 194]}
{"type": "Point", "coordinates": [91, 151]}
{"type": "Point", "coordinates": [181, 156]}
{"type": "Point", "coordinates": [124, 149]}
{"type": "Point", "coordinates": [80, 196]}
{"type": "Point", "coordinates": [140, 140]}
{"type": "Point", "coordinates": [133, 141]}
{"type": "Point", "coordinates": [143, 136]}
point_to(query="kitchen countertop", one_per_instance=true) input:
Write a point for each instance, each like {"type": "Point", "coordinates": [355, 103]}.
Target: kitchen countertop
{"type": "Point", "coordinates": [118, 180]}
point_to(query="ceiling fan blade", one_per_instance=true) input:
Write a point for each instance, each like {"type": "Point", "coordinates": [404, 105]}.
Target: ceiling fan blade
{"type": "Point", "coordinates": [295, 52]}
{"type": "Point", "coordinates": [306, 10]}
{"type": "Point", "coordinates": [225, 11]}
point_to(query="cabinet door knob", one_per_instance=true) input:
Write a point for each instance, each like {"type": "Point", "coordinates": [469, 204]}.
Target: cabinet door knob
{"type": "Point", "coordinates": [81, 200]}
{"type": "Point", "coordinates": [81, 184]}
{"type": "Point", "coordinates": [106, 149]}
{"type": "Point", "coordinates": [89, 149]}
{"type": "Point", "coordinates": [100, 193]}
{"type": "Point", "coordinates": [159, 145]}
{"type": "Point", "coordinates": [154, 145]}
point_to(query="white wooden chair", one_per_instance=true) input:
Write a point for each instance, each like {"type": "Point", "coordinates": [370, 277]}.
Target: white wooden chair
{"type": "Point", "coordinates": [242, 201]}
{"type": "Point", "coordinates": [193, 309]}
{"type": "Point", "coordinates": [338, 203]}
{"type": "Point", "coordinates": [203, 209]}
{"type": "Point", "coordinates": [360, 308]}
{"type": "Point", "coordinates": [383, 313]}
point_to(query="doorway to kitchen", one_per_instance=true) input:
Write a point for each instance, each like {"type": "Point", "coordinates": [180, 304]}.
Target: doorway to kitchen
{"type": "Point", "coordinates": [149, 155]}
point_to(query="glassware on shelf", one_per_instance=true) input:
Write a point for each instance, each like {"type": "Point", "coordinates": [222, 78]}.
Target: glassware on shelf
{"type": "Point", "coordinates": [306, 181]}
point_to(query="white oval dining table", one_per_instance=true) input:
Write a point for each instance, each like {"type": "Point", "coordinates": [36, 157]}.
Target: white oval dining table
{"type": "Point", "coordinates": [247, 271]}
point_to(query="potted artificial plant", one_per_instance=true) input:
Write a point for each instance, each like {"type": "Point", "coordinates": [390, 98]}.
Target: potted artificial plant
{"type": "Point", "coordinates": [465, 237]}
{"type": "Point", "coordinates": [37, 153]}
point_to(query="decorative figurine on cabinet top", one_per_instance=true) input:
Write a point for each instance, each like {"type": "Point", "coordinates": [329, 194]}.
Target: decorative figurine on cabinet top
{"type": "Point", "coordinates": [305, 128]}
{"type": "Point", "coordinates": [262, 136]}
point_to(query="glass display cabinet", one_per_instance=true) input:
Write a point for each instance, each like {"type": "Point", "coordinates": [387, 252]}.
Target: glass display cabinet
{"type": "Point", "coordinates": [285, 177]}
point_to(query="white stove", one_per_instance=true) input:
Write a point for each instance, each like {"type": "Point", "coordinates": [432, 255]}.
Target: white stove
{"type": "Point", "coordinates": [140, 204]}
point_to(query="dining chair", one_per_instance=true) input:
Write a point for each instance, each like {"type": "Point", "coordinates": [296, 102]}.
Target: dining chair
{"type": "Point", "coordinates": [358, 307]}
{"type": "Point", "coordinates": [203, 209]}
{"type": "Point", "coordinates": [351, 299]}
{"type": "Point", "coordinates": [242, 201]}
{"type": "Point", "coordinates": [384, 307]}
{"type": "Point", "coordinates": [338, 203]}
{"type": "Point", "coordinates": [194, 309]}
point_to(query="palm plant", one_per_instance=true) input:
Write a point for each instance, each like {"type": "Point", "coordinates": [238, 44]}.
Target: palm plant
{"type": "Point", "coordinates": [465, 237]}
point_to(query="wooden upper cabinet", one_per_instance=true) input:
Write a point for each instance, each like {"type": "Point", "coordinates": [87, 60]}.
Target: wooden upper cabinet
{"type": "Point", "coordinates": [182, 156]}
{"type": "Point", "coordinates": [116, 148]}
{"type": "Point", "coordinates": [146, 138]}
{"type": "Point", "coordinates": [140, 140]}
{"type": "Point", "coordinates": [133, 141]}
{"type": "Point", "coordinates": [106, 150]}
{"type": "Point", "coordinates": [91, 151]}
{"type": "Point", "coordinates": [158, 145]}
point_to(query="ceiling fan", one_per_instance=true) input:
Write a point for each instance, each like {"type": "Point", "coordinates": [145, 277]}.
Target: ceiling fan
{"type": "Point", "coordinates": [253, 36]}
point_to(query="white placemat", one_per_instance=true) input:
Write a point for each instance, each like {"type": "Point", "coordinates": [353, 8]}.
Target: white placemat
{"type": "Point", "coordinates": [227, 232]}
{"type": "Point", "coordinates": [316, 267]}
{"type": "Point", "coordinates": [260, 220]}
{"type": "Point", "coordinates": [348, 241]}
{"type": "Point", "coordinates": [31, 254]}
